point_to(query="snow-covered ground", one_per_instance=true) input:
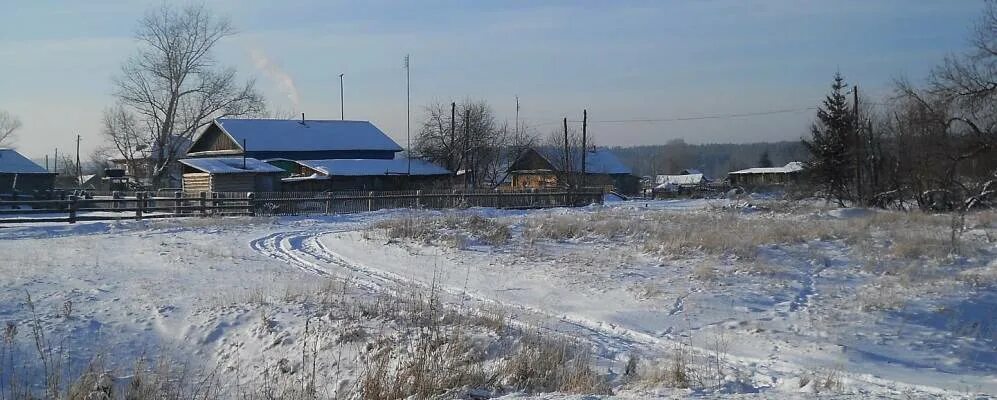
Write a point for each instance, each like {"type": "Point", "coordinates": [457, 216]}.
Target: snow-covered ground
{"type": "Point", "coordinates": [749, 302]}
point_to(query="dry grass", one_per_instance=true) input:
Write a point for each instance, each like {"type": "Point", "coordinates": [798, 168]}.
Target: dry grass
{"type": "Point", "coordinates": [454, 230]}
{"type": "Point", "coordinates": [548, 364]}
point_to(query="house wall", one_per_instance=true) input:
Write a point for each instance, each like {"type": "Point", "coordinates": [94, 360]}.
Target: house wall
{"type": "Point", "coordinates": [375, 183]}
{"type": "Point", "coordinates": [759, 180]}
{"type": "Point", "coordinates": [196, 182]}
{"type": "Point", "coordinates": [26, 183]}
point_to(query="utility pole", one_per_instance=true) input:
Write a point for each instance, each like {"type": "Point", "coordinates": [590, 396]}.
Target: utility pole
{"type": "Point", "coordinates": [585, 150]}
{"type": "Point", "coordinates": [467, 138]}
{"type": "Point", "coordinates": [517, 117]}
{"type": "Point", "coordinates": [857, 142]}
{"type": "Point", "coordinates": [342, 103]}
{"type": "Point", "coordinates": [408, 114]}
{"type": "Point", "coordinates": [567, 156]}
{"type": "Point", "coordinates": [79, 171]}
{"type": "Point", "coordinates": [453, 137]}
{"type": "Point", "coordinates": [56, 161]}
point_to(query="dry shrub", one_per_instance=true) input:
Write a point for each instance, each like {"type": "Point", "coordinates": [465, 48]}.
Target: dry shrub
{"type": "Point", "coordinates": [675, 372]}
{"type": "Point", "coordinates": [547, 364]}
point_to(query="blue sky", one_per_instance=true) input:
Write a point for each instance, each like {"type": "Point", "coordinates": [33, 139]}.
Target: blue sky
{"type": "Point", "coordinates": [618, 59]}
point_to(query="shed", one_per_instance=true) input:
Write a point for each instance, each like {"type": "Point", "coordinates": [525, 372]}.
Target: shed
{"type": "Point", "coordinates": [773, 176]}
{"type": "Point", "coordinates": [293, 140]}
{"type": "Point", "coordinates": [20, 175]}
{"type": "Point", "coordinates": [230, 174]}
{"type": "Point", "coordinates": [546, 167]}
{"type": "Point", "coordinates": [366, 174]}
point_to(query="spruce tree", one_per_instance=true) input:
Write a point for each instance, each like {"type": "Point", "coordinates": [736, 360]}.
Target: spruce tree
{"type": "Point", "coordinates": [765, 161]}
{"type": "Point", "coordinates": [830, 166]}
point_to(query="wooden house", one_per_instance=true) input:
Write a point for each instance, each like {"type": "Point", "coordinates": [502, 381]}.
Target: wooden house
{"type": "Point", "coordinates": [786, 175]}
{"type": "Point", "coordinates": [266, 139]}
{"type": "Point", "coordinates": [230, 174]}
{"type": "Point", "coordinates": [19, 175]}
{"type": "Point", "coordinates": [366, 174]}
{"type": "Point", "coordinates": [547, 167]}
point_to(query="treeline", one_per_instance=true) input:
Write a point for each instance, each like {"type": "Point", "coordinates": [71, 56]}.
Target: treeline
{"type": "Point", "coordinates": [715, 160]}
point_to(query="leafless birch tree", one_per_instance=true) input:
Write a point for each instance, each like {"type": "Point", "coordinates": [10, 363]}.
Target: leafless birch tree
{"type": "Point", "coordinates": [172, 87]}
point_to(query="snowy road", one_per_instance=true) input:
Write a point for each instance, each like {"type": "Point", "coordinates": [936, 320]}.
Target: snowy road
{"type": "Point", "coordinates": [615, 325]}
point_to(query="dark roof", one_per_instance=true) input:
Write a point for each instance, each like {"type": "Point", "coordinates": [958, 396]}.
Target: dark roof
{"type": "Point", "coordinates": [597, 161]}
{"type": "Point", "coordinates": [12, 162]}
{"type": "Point", "coordinates": [307, 135]}
{"type": "Point", "coordinates": [363, 167]}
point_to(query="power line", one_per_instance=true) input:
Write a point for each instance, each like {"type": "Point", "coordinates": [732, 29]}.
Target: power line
{"type": "Point", "coordinates": [694, 118]}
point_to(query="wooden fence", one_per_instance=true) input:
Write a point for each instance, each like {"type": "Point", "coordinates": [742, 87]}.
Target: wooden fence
{"type": "Point", "coordinates": [145, 205]}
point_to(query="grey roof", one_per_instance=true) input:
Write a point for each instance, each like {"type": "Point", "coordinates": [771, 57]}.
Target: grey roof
{"type": "Point", "coordinates": [363, 167]}
{"type": "Point", "coordinates": [794, 166]}
{"type": "Point", "coordinates": [597, 161]}
{"type": "Point", "coordinates": [307, 135]}
{"type": "Point", "coordinates": [230, 165]}
{"type": "Point", "coordinates": [12, 162]}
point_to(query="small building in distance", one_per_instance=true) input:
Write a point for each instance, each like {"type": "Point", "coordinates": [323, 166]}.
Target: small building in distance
{"type": "Point", "coordinates": [19, 175]}
{"type": "Point", "coordinates": [686, 183]}
{"type": "Point", "coordinates": [230, 174]}
{"type": "Point", "coordinates": [266, 139]}
{"type": "Point", "coordinates": [547, 167]}
{"type": "Point", "coordinates": [753, 178]}
{"type": "Point", "coordinates": [365, 174]}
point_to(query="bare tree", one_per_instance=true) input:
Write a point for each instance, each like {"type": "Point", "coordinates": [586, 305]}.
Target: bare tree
{"type": "Point", "coordinates": [8, 125]}
{"type": "Point", "coordinates": [466, 137]}
{"type": "Point", "coordinates": [173, 87]}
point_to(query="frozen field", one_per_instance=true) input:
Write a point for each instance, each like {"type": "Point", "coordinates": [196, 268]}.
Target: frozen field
{"type": "Point", "coordinates": [667, 298]}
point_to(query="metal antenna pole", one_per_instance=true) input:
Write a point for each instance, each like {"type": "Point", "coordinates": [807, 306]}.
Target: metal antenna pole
{"type": "Point", "coordinates": [408, 114]}
{"type": "Point", "coordinates": [342, 103]}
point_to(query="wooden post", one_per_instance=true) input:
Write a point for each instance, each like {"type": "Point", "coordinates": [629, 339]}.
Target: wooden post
{"type": "Point", "coordinates": [72, 209]}
{"type": "Point", "coordinates": [328, 203]}
{"type": "Point", "coordinates": [177, 202]}
{"type": "Point", "coordinates": [116, 195]}
{"type": "Point", "coordinates": [251, 208]}
{"type": "Point", "coordinates": [139, 205]}
{"type": "Point", "coordinates": [214, 203]}
{"type": "Point", "coordinates": [418, 199]}
{"type": "Point", "coordinates": [370, 201]}
{"type": "Point", "coordinates": [204, 204]}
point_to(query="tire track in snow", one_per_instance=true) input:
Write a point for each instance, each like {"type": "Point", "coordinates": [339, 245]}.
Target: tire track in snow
{"type": "Point", "coordinates": [296, 247]}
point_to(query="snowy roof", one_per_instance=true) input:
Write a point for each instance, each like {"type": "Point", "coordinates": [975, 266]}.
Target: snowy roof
{"type": "Point", "coordinates": [230, 165]}
{"type": "Point", "coordinates": [365, 167]}
{"type": "Point", "coordinates": [688, 179]}
{"type": "Point", "coordinates": [12, 162]}
{"type": "Point", "coordinates": [794, 166]}
{"type": "Point", "coordinates": [597, 161]}
{"type": "Point", "coordinates": [307, 135]}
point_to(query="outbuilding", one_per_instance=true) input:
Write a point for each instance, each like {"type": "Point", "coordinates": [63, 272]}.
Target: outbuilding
{"type": "Point", "coordinates": [366, 174]}
{"type": "Point", "coordinates": [230, 174]}
{"type": "Point", "coordinates": [20, 175]}
{"type": "Point", "coordinates": [786, 175]}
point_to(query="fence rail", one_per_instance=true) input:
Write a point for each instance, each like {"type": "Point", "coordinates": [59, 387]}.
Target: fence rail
{"type": "Point", "coordinates": [146, 205]}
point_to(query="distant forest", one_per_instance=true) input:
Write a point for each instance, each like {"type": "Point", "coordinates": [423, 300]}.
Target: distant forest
{"type": "Point", "coordinates": [715, 160]}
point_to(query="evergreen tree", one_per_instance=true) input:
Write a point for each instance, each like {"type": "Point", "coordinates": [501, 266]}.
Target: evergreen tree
{"type": "Point", "coordinates": [830, 166]}
{"type": "Point", "coordinates": [765, 161]}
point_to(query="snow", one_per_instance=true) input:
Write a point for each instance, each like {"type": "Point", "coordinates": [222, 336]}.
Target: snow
{"type": "Point", "coordinates": [230, 165]}
{"type": "Point", "coordinates": [664, 181]}
{"type": "Point", "coordinates": [308, 135]}
{"type": "Point", "coordinates": [12, 162]}
{"type": "Point", "coordinates": [794, 166]}
{"type": "Point", "coordinates": [363, 167]}
{"type": "Point", "coordinates": [193, 287]}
